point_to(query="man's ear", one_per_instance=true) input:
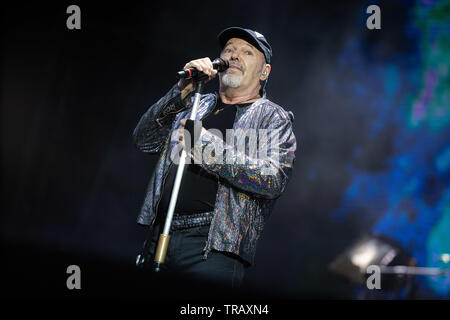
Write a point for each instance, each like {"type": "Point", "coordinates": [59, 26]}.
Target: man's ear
{"type": "Point", "coordinates": [265, 73]}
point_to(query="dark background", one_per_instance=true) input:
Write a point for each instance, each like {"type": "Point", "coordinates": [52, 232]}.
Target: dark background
{"type": "Point", "coordinates": [73, 183]}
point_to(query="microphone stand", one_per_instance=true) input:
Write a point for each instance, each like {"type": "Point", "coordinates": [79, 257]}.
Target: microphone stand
{"type": "Point", "coordinates": [164, 237]}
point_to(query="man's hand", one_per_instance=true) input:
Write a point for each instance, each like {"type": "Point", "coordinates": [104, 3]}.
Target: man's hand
{"type": "Point", "coordinates": [204, 65]}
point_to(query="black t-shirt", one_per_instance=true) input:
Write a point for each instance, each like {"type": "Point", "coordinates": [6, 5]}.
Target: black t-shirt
{"type": "Point", "coordinates": [198, 188]}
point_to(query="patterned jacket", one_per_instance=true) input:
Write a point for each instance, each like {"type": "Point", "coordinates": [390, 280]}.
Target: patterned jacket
{"type": "Point", "coordinates": [245, 195]}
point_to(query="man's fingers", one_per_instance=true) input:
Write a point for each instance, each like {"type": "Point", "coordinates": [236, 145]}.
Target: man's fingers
{"type": "Point", "coordinates": [204, 65]}
{"type": "Point", "coordinates": [209, 66]}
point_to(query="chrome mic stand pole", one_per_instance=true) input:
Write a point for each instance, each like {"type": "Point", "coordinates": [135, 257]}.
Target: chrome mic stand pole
{"type": "Point", "coordinates": [164, 237]}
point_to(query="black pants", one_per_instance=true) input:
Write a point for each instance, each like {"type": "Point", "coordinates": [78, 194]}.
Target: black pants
{"type": "Point", "coordinates": [185, 257]}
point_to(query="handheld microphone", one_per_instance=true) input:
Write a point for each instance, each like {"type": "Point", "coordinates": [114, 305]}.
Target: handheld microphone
{"type": "Point", "coordinates": [219, 64]}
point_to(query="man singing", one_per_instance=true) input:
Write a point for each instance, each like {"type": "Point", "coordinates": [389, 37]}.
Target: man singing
{"type": "Point", "coordinates": [223, 201]}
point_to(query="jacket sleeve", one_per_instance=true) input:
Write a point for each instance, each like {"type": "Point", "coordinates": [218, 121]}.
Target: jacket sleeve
{"type": "Point", "coordinates": [264, 174]}
{"type": "Point", "coordinates": [155, 125]}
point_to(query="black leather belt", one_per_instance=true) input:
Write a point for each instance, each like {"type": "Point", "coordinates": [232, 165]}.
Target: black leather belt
{"type": "Point", "coordinates": [183, 221]}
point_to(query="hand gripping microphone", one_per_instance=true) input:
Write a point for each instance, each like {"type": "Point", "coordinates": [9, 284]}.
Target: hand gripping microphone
{"type": "Point", "coordinates": [219, 64]}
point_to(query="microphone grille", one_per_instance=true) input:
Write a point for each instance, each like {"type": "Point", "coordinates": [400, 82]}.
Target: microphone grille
{"type": "Point", "coordinates": [222, 64]}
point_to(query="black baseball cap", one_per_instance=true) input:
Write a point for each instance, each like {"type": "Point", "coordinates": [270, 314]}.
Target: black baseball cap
{"type": "Point", "coordinates": [253, 37]}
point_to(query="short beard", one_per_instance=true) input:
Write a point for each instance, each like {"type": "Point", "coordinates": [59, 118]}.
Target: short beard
{"type": "Point", "coordinates": [231, 81]}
